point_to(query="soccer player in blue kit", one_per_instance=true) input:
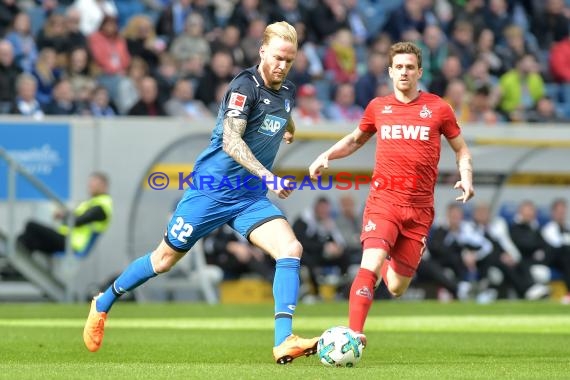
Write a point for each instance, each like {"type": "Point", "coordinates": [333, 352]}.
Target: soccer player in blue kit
{"type": "Point", "coordinates": [253, 119]}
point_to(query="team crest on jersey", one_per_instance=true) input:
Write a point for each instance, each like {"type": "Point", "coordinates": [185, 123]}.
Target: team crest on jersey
{"type": "Point", "coordinates": [287, 105]}
{"type": "Point", "coordinates": [425, 112]}
{"type": "Point", "coordinates": [237, 101]}
{"type": "Point", "coordinates": [387, 109]}
{"type": "Point", "coordinates": [271, 125]}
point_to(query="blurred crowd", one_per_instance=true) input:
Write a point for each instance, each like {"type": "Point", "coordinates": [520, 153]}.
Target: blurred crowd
{"type": "Point", "coordinates": [493, 60]}
{"type": "Point", "coordinates": [471, 254]}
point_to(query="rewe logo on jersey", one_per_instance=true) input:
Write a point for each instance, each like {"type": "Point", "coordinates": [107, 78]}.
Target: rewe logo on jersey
{"type": "Point", "coordinates": [271, 125]}
{"type": "Point", "coordinates": [405, 132]}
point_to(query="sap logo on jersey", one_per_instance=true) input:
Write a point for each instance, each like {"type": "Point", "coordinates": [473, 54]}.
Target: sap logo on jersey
{"type": "Point", "coordinates": [271, 125]}
{"type": "Point", "coordinates": [406, 132]}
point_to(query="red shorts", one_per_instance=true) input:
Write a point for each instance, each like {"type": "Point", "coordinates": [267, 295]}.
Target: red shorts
{"type": "Point", "coordinates": [403, 228]}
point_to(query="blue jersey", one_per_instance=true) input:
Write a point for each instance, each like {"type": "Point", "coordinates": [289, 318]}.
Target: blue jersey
{"type": "Point", "coordinates": [267, 112]}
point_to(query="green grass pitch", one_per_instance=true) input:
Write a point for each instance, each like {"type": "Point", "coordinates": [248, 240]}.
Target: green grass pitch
{"type": "Point", "coordinates": [406, 340]}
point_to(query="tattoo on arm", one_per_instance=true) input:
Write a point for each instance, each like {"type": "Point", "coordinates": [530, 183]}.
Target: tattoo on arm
{"type": "Point", "coordinates": [237, 149]}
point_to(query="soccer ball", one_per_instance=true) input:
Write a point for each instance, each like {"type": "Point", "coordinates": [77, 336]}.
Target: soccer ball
{"type": "Point", "coordinates": [339, 347]}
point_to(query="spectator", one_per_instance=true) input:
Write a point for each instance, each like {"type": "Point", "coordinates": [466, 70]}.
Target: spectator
{"type": "Point", "coordinates": [172, 19]}
{"type": "Point", "coordinates": [556, 233]}
{"type": "Point", "coordinates": [308, 110]}
{"type": "Point", "coordinates": [365, 87]}
{"type": "Point", "coordinates": [75, 38]}
{"type": "Point", "coordinates": [521, 88]}
{"type": "Point", "coordinates": [458, 98]}
{"type": "Point", "coordinates": [550, 25]}
{"type": "Point", "coordinates": [340, 57]}
{"type": "Point", "coordinates": [100, 105]}
{"type": "Point", "coordinates": [451, 70]}
{"type": "Point", "coordinates": [142, 41]}
{"type": "Point", "coordinates": [192, 42]}
{"type": "Point", "coordinates": [300, 73]}
{"type": "Point", "coordinates": [110, 54]}
{"type": "Point", "coordinates": [497, 17]}
{"type": "Point", "coordinates": [343, 107]}
{"type": "Point", "coordinates": [410, 16]}
{"type": "Point", "coordinates": [514, 48]}
{"type": "Point", "coordinates": [93, 13]}
{"type": "Point", "coordinates": [169, 72]}
{"type": "Point", "coordinates": [109, 49]}
{"type": "Point", "coordinates": [525, 234]}
{"type": "Point", "coordinates": [25, 102]}
{"type": "Point", "coordinates": [544, 112]}
{"type": "Point", "coordinates": [229, 41]}
{"type": "Point", "coordinates": [183, 104]}
{"type": "Point", "coordinates": [8, 10]}
{"type": "Point", "coordinates": [462, 44]}
{"type": "Point", "coordinates": [327, 18]}
{"type": "Point", "coordinates": [47, 74]}
{"type": "Point", "coordinates": [503, 257]}
{"type": "Point", "coordinates": [472, 11]}
{"type": "Point", "coordinates": [479, 76]}
{"type": "Point", "coordinates": [148, 104]}
{"type": "Point", "coordinates": [63, 102]}
{"type": "Point", "coordinates": [291, 11]}
{"type": "Point", "coordinates": [244, 13]}
{"type": "Point", "coordinates": [91, 218]}
{"type": "Point", "coordinates": [219, 70]}
{"type": "Point", "coordinates": [451, 247]}
{"type": "Point", "coordinates": [559, 66]}
{"type": "Point", "coordinates": [349, 222]}
{"type": "Point", "coordinates": [23, 42]}
{"type": "Point", "coordinates": [486, 51]}
{"type": "Point", "coordinates": [78, 71]}
{"type": "Point", "coordinates": [311, 51]}
{"type": "Point", "coordinates": [219, 93]}
{"type": "Point", "coordinates": [236, 256]}
{"type": "Point", "coordinates": [322, 242]}
{"type": "Point", "coordinates": [127, 92]}
{"type": "Point", "coordinates": [481, 108]}
{"type": "Point", "coordinates": [434, 51]}
{"type": "Point", "coordinates": [356, 22]}
{"type": "Point", "coordinates": [250, 43]}
{"type": "Point", "coordinates": [9, 71]}
{"type": "Point", "coordinates": [54, 35]}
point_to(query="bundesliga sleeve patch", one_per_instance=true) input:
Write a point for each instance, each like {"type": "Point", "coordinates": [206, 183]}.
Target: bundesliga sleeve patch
{"type": "Point", "coordinates": [237, 101]}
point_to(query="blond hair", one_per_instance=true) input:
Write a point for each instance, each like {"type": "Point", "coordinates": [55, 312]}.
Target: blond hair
{"type": "Point", "coordinates": [405, 48]}
{"type": "Point", "coordinates": [282, 30]}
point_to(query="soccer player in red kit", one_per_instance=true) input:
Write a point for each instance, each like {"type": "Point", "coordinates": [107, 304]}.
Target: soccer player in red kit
{"type": "Point", "coordinates": [399, 209]}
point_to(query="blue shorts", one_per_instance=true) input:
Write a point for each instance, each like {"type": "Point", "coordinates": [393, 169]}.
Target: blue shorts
{"type": "Point", "coordinates": [197, 215]}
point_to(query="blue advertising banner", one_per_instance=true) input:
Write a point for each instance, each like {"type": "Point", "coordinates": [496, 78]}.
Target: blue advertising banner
{"type": "Point", "coordinates": [44, 150]}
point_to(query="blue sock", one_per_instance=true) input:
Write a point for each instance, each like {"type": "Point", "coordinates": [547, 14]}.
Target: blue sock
{"type": "Point", "coordinates": [285, 293]}
{"type": "Point", "coordinates": [137, 273]}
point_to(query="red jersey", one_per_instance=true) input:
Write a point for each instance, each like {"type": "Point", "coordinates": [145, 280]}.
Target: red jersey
{"type": "Point", "coordinates": [408, 146]}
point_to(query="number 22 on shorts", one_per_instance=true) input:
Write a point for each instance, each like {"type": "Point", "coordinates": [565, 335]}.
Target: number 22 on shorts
{"type": "Point", "coordinates": [181, 230]}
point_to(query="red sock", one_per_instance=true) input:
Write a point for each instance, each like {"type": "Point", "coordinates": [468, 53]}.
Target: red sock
{"type": "Point", "coordinates": [360, 299]}
{"type": "Point", "coordinates": [384, 271]}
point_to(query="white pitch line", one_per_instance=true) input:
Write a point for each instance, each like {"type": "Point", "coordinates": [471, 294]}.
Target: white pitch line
{"type": "Point", "coordinates": [506, 324]}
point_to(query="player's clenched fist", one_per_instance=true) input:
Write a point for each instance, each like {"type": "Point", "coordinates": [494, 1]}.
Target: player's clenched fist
{"type": "Point", "coordinates": [322, 162]}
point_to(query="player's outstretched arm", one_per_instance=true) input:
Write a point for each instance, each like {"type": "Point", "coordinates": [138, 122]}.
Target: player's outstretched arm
{"type": "Point", "coordinates": [237, 149]}
{"type": "Point", "coordinates": [465, 167]}
{"type": "Point", "coordinates": [344, 147]}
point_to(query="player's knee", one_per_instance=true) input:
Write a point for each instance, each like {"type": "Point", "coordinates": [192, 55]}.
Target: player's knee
{"type": "Point", "coordinates": [292, 249]}
{"type": "Point", "coordinates": [396, 290]}
{"type": "Point", "coordinates": [162, 262]}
